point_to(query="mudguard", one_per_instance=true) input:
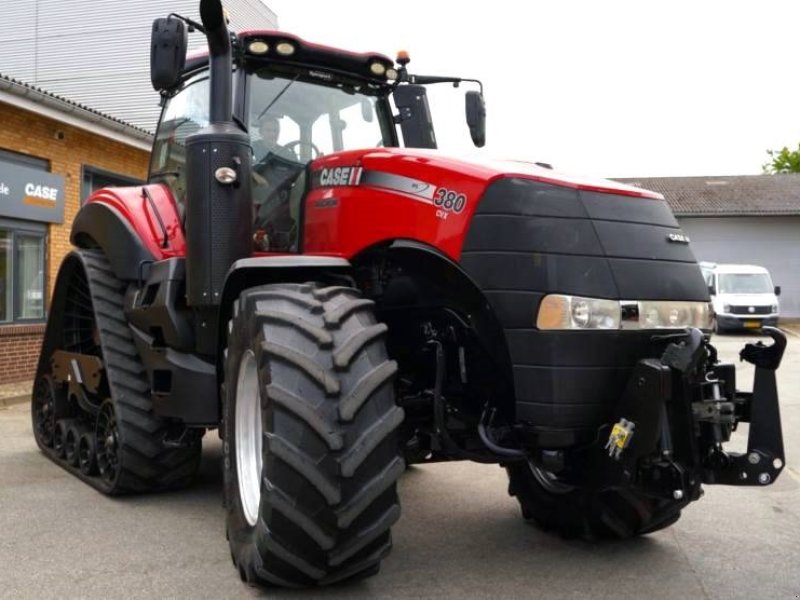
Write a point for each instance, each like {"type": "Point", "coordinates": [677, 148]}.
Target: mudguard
{"type": "Point", "coordinates": [260, 270]}
{"type": "Point", "coordinates": [101, 225]}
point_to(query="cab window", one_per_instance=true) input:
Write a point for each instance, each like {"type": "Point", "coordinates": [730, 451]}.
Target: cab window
{"type": "Point", "coordinates": [184, 114]}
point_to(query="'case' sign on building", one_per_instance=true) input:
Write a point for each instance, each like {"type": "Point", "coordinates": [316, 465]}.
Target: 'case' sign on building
{"type": "Point", "coordinates": [31, 194]}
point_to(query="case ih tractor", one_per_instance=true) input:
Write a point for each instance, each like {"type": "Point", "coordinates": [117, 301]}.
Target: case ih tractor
{"type": "Point", "coordinates": [342, 306]}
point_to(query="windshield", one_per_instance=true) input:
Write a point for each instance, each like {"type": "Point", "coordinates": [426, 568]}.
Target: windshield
{"type": "Point", "coordinates": [745, 283]}
{"type": "Point", "coordinates": [297, 119]}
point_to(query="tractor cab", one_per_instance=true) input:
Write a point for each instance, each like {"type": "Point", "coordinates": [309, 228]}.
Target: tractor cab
{"type": "Point", "coordinates": [297, 101]}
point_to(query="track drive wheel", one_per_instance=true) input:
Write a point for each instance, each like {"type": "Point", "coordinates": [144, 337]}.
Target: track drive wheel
{"type": "Point", "coordinates": [573, 512]}
{"type": "Point", "coordinates": [87, 317]}
{"type": "Point", "coordinates": [311, 457]}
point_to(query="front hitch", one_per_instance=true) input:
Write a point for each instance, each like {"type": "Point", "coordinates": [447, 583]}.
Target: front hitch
{"type": "Point", "coordinates": [678, 410]}
{"type": "Point", "coordinates": [765, 456]}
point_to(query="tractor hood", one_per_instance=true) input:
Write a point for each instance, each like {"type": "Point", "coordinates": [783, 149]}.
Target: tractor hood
{"type": "Point", "coordinates": [431, 167]}
{"type": "Point", "coordinates": [512, 225]}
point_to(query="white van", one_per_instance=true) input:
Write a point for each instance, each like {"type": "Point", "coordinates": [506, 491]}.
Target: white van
{"type": "Point", "coordinates": [743, 296]}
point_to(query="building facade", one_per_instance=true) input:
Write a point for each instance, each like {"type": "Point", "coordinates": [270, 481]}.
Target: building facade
{"type": "Point", "coordinates": [97, 53]}
{"type": "Point", "coordinates": [77, 113]}
{"type": "Point", "coordinates": [52, 154]}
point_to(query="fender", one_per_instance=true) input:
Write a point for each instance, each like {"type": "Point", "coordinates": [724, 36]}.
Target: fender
{"type": "Point", "coordinates": [249, 272]}
{"type": "Point", "coordinates": [100, 225]}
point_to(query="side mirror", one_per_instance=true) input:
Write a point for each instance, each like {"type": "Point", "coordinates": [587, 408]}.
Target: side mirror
{"type": "Point", "coordinates": [777, 290]}
{"type": "Point", "coordinates": [476, 117]}
{"type": "Point", "coordinates": [415, 116]}
{"type": "Point", "coordinates": [168, 43]}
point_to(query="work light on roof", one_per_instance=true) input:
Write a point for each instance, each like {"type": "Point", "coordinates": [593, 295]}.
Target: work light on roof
{"type": "Point", "coordinates": [377, 68]}
{"type": "Point", "coordinates": [285, 48]}
{"type": "Point", "coordinates": [391, 74]}
{"type": "Point", "coordinates": [258, 47]}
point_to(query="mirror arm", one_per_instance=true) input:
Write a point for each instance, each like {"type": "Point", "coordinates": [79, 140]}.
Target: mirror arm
{"type": "Point", "coordinates": [192, 24]}
{"type": "Point", "coordinates": [427, 79]}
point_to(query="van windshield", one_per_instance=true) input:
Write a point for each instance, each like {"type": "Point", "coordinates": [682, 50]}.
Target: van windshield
{"type": "Point", "coordinates": [745, 283]}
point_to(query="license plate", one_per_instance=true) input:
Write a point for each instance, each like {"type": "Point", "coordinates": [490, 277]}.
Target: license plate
{"type": "Point", "coordinates": [752, 324]}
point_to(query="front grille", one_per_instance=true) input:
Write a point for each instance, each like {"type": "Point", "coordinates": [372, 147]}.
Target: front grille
{"type": "Point", "coordinates": [745, 310]}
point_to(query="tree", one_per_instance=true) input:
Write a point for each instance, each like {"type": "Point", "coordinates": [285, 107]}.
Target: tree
{"type": "Point", "coordinates": [783, 161]}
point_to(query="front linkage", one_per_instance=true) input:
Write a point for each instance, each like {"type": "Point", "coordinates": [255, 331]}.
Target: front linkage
{"type": "Point", "coordinates": [677, 412]}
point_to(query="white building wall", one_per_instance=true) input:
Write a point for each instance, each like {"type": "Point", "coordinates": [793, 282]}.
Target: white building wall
{"type": "Point", "coordinates": [97, 52]}
{"type": "Point", "coordinates": [772, 242]}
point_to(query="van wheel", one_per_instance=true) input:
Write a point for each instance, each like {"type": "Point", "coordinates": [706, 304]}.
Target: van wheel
{"type": "Point", "coordinates": [715, 326]}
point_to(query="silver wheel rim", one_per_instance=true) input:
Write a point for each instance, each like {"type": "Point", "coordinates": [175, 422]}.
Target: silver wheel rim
{"type": "Point", "coordinates": [248, 437]}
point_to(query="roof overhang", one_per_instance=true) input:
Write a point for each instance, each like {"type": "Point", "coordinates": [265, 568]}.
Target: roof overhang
{"type": "Point", "coordinates": [41, 103]}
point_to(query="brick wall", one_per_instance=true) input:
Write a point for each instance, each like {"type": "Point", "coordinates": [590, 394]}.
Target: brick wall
{"type": "Point", "coordinates": [28, 133]}
{"type": "Point", "coordinates": [19, 351]}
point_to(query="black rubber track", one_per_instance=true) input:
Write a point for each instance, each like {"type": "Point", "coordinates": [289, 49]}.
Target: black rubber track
{"type": "Point", "coordinates": [591, 515]}
{"type": "Point", "coordinates": [330, 454]}
{"type": "Point", "coordinates": [145, 464]}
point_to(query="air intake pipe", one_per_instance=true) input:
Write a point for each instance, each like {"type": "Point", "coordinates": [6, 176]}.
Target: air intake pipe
{"type": "Point", "coordinates": [219, 211]}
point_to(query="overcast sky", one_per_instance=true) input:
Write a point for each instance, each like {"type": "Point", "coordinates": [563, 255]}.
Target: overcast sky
{"type": "Point", "coordinates": [609, 88]}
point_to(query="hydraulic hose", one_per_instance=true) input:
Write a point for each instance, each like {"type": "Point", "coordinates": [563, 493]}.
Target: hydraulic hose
{"type": "Point", "coordinates": [489, 443]}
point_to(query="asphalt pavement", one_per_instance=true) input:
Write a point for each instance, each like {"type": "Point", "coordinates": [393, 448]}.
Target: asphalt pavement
{"type": "Point", "coordinates": [460, 536]}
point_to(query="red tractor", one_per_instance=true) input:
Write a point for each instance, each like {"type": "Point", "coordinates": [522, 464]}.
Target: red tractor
{"type": "Point", "coordinates": [339, 304]}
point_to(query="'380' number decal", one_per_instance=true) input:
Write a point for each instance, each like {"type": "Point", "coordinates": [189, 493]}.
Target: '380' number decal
{"type": "Point", "coordinates": [450, 200]}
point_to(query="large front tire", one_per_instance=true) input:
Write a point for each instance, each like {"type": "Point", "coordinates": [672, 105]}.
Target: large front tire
{"type": "Point", "coordinates": [575, 512]}
{"type": "Point", "coordinates": [311, 458]}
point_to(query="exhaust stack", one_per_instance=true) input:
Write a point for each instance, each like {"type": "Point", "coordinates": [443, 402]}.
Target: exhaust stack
{"type": "Point", "coordinates": [219, 214]}
{"type": "Point", "coordinates": [219, 60]}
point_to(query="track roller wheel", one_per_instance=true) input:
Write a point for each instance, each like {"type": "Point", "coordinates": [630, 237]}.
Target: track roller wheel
{"type": "Point", "coordinates": [43, 411]}
{"type": "Point", "coordinates": [107, 435]}
{"type": "Point", "coordinates": [60, 437]}
{"type": "Point", "coordinates": [74, 433]}
{"type": "Point", "coordinates": [574, 512]}
{"type": "Point", "coordinates": [311, 457]}
{"type": "Point", "coordinates": [87, 457]}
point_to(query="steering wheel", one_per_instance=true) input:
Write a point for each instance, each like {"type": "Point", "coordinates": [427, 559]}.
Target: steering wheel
{"type": "Point", "coordinates": [293, 147]}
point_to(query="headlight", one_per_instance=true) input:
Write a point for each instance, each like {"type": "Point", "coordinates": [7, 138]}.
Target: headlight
{"type": "Point", "coordinates": [665, 314]}
{"type": "Point", "coordinates": [573, 312]}
{"type": "Point", "coordinates": [773, 308]}
{"type": "Point", "coordinates": [726, 308]}
{"type": "Point", "coordinates": [562, 312]}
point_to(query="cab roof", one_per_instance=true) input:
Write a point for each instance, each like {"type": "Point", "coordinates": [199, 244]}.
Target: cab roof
{"type": "Point", "coordinates": [371, 65]}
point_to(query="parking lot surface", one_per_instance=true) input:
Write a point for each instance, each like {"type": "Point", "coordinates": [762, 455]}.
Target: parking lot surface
{"type": "Point", "coordinates": [461, 535]}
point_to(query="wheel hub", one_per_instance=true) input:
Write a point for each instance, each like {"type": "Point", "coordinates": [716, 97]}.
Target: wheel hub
{"type": "Point", "coordinates": [248, 437]}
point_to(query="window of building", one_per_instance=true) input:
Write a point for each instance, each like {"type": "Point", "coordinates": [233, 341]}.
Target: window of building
{"type": "Point", "coordinates": [95, 179]}
{"type": "Point", "coordinates": [24, 160]}
{"type": "Point", "coordinates": [22, 272]}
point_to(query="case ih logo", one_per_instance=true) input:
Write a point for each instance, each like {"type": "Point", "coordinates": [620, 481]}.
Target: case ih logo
{"type": "Point", "coordinates": [678, 238]}
{"type": "Point", "coordinates": [339, 176]}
